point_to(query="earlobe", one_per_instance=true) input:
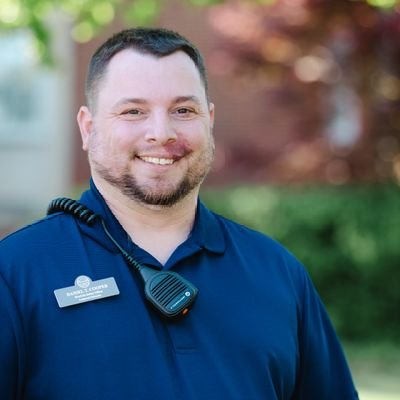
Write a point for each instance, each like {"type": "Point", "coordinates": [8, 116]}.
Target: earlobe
{"type": "Point", "coordinates": [211, 109]}
{"type": "Point", "coordinates": [85, 122]}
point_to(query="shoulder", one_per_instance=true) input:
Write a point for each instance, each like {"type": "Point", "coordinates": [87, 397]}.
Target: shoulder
{"type": "Point", "coordinates": [249, 238]}
{"type": "Point", "coordinates": [35, 236]}
{"type": "Point", "coordinates": [32, 255]}
{"type": "Point", "coordinates": [261, 249]}
{"type": "Point", "coordinates": [33, 229]}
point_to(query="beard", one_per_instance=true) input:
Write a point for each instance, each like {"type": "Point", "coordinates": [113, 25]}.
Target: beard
{"type": "Point", "coordinates": [160, 192]}
{"type": "Point", "coordinates": [129, 186]}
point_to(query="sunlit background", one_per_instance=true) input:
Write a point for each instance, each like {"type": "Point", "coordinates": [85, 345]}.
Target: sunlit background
{"type": "Point", "coordinates": [307, 96]}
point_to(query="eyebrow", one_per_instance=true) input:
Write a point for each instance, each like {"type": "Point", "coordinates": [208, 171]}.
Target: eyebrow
{"type": "Point", "coordinates": [182, 99]}
{"type": "Point", "coordinates": [129, 100]}
{"type": "Point", "coordinates": [138, 100]}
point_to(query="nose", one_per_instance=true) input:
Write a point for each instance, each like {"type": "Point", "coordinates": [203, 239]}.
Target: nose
{"type": "Point", "coordinates": [160, 129]}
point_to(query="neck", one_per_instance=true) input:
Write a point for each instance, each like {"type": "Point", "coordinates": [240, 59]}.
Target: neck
{"type": "Point", "coordinates": [157, 229]}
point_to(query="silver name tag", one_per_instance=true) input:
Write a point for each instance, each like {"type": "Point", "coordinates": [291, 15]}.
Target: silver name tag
{"type": "Point", "coordinates": [86, 290]}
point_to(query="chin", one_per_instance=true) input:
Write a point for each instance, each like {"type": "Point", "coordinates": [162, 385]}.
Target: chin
{"type": "Point", "coordinates": [156, 192]}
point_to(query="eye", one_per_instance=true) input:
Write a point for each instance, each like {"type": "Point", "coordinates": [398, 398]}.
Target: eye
{"type": "Point", "coordinates": [133, 111]}
{"type": "Point", "coordinates": [184, 112]}
{"type": "Point", "coordinates": [133, 114]}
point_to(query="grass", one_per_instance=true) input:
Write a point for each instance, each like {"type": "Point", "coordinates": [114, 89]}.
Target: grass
{"type": "Point", "coordinates": [376, 370]}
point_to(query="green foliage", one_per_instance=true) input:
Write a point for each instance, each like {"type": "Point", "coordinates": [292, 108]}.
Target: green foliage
{"type": "Point", "coordinates": [383, 3]}
{"type": "Point", "coordinates": [203, 3]}
{"type": "Point", "coordinates": [348, 239]}
{"type": "Point", "coordinates": [90, 16]}
{"type": "Point", "coordinates": [142, 12]}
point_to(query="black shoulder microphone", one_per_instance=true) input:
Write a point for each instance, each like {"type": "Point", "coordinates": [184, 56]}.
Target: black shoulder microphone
{"type": "Point", "coordinates": [168, 292]}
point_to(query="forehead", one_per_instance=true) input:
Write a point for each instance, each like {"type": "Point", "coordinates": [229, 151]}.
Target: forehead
{"type": "Point", "coordinates": [137, 74]}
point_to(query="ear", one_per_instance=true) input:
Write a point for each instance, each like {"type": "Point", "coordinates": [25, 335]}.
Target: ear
{"type": "Point", "coordinates": [211, 109]}
{"type": "Point", "coordinates": [85, 122]}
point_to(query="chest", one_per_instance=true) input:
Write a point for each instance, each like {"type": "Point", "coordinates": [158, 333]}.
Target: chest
{"type": "Point", "coordinates": [239, 339]}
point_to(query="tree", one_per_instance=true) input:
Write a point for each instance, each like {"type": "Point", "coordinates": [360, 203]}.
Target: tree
{"type": "Point", "coordinates": [333, 68]}
{"type": "Point", "coordinates": [89, 16]}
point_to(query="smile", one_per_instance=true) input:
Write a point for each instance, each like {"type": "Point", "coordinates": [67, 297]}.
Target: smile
{"type": "Point", "coordinates": [158, 161]}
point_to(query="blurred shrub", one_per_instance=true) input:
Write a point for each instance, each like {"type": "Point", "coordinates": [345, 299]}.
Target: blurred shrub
{"type": "Point", "coordinates": [348, 238]}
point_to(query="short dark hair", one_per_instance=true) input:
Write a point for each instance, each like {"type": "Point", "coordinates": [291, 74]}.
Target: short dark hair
{"type": "Point", "coordinates": [156, 41]}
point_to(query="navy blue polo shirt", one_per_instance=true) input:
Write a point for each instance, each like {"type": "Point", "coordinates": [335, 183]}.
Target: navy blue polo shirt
{"type": "Point", "coordinates": [257, 331]}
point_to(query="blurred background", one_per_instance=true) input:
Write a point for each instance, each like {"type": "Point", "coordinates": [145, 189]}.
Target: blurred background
{"type": "Point", "coordinates": [307, 96]}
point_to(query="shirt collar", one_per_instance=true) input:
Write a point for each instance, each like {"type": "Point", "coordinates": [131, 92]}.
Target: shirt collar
{"type": "Point", "coordinates": [206, 232]}
{"type": "Point", "coordinates": [95, 202]}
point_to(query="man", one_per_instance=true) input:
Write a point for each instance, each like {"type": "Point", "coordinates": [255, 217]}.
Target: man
{"type": "Point", "coordinates": [75, 323]}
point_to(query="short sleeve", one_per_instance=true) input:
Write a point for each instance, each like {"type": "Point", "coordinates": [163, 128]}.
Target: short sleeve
{"type": "Point", "coordinates": [323, 371]}
{"type": "Point", "coordinates": [10, 345]}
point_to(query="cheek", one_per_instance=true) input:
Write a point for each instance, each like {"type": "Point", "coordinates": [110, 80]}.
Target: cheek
{"type": "Point", "coordinates": [119, 140]}
{"type": "Point", "coordinates": [124, 134]}
{"type": "Point", "coordinates": [206, 140]}
{"type": "Point", "coordinates": [198, 135]}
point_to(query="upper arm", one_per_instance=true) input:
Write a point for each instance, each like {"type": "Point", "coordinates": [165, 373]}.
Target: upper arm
{"type": "Point", "coordinates": [323, 371]}
{"type": "Point", "coordinates": [11, 345]}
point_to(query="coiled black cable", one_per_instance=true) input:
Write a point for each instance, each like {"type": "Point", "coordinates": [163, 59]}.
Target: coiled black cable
{"type": "Point", "coordinates": [70, 206]}
{"type": "Point", "coordinates": [84, 214]}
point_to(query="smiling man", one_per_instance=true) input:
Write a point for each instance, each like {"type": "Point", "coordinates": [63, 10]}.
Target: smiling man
{"type": "Point", "coordinates": [155, 147]}
{"type": "Point", "coordinates": [76, 321]}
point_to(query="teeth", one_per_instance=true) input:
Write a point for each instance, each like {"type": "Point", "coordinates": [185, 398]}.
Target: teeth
{"type": "Point", "coordinates": [159, 161]}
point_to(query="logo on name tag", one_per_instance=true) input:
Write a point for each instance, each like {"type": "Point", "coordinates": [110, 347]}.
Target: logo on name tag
{"type": "Point", "coordinates": [85, 290]}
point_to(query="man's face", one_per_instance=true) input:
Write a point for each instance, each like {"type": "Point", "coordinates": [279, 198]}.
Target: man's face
{"type": "Point", "coordinates": [150, 135]}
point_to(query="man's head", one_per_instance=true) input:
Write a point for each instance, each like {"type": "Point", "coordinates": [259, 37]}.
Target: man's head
{"type": "Point", "coordinates": [154, 41]}
{"type": "Point", "coordinates": [148, 127]}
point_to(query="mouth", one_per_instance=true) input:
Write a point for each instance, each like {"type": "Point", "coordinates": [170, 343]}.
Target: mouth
{"type": "Point", "coordinates": [157, 160]}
